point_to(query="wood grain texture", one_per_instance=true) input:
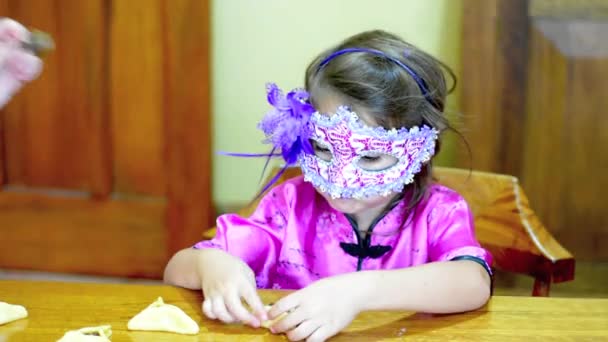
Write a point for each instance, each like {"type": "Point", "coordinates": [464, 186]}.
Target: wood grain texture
{"type": "Point", "coordinates": [3, 12]}
{"type": "Point", "coordinates": [42, 132]}
{"type": "Point", "coordinates": [136, 88]}
{"type": "Point", "coordinates": [112, 142]}
{"type": "Point", "coordinates": [579, 9]}
{"type": "Point", "coordinates": [3, 179]}
{"type": "Point", "coordinates": [540, 176]}
{"type": "Point", "coordinates": [56, 307]}
{"type": "Point", "coordinates": [100, 166]}
{"type": "Point", "coordinates": [478, 95]}
{"type": "Point", "coordinates": [2, 154]}
{"type": "Point", "coordinates": [122, 238]}
{"type": "Point", "coordinates": [493, 101]}
{"type": "Point", "coordinates": [533, 91]}
{"type": "Point", "coordinates": [584, 223]}
{"type": "Point", "coordinates": [188, 126]}
{"type": "Point", "coordinates": [504, 224]}
{"type": "Point", "coordinates": [512, 91]}
{"type": "Point", "coordinates": [24, 119]}
{"type": "Point", "coordinates": [564, 165]}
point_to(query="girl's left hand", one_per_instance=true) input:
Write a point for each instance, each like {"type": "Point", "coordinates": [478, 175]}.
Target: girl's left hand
{"type": "Point", "coordinates": [318, 311]}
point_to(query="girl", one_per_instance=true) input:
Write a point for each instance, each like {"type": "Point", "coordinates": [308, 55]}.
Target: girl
{"type": "Point", "coordinates": [364, 228]}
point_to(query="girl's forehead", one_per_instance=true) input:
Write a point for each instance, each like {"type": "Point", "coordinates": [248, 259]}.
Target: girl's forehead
{"type": "Point", "coordinates": [328, 105]}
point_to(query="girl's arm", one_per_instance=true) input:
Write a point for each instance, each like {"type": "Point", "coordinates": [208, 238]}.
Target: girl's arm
{"type": "Point", "coordinates": [438, 287]}
{"type": "Point", "coordinates": [224, 266]}
{"type": "Point", "coordinates": [327, 306]}
{"type": "Point", "coordinates": [184, 268]}
{"type": "Point", "coordinates": [224, 279]}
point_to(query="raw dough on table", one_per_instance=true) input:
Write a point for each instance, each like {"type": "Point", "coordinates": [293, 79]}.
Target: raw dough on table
{"type": "Point", "coordinates": [101, 333]}
{"type": "Point", "coordinates": [159, 316]}
{"type": "Point", "coordinates": [267, 324]}
{"type": "Point", "coordinates": [11, 312]}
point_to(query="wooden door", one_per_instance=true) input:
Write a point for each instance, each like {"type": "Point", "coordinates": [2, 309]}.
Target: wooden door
{"type": "Point", "coordinates": [535, 77]}
{"type": "Point", "coordinates": [105, 159]}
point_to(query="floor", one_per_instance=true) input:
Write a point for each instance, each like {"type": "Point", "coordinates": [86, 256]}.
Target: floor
{"type": "Point", "coordinates": [591, 280]}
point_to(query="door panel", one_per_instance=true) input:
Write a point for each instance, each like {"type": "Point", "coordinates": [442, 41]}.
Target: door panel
{"type": "Point", "coordinates": [535, 74]}
{"type": "Point", "coordinates": [105, 162]}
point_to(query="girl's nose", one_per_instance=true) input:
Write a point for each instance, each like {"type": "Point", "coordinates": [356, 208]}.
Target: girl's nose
{"type": "Point", "coordinates": [337, 172]}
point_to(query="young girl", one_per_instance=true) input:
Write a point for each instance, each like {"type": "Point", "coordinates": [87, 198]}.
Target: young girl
{"type": "Point", "coordinates": [364, 228]}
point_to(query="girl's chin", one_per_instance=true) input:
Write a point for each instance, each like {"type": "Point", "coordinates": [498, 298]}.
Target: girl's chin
{"type": "Point", "coordinates": [344, 205]}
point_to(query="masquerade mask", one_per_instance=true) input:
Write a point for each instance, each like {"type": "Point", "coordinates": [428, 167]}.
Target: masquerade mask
{"type": "Point", "coordinates": [349, 144]}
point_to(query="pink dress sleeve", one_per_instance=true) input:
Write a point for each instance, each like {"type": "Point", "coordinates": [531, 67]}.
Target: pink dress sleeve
{"type": "Point", "coordinates": [256, 240]}
{"type": "Point", "coordinates": [451, 230]}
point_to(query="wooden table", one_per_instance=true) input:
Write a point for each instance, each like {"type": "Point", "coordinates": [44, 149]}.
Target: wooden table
{"type": "Point", "coordinates": [55, 307]}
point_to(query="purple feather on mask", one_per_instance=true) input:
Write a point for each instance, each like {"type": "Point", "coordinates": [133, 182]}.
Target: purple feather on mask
{"type": "Point", "coordinates": [286, 126]}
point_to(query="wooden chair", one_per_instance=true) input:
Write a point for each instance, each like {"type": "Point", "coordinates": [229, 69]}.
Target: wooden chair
{"type": "Point", "coordinates": [507, 226]}
{"type": "Point", "coordinates": [504, 224]}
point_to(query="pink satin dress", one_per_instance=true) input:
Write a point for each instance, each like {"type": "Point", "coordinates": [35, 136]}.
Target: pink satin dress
{"type": "Point", "coordinates": [295, 237]}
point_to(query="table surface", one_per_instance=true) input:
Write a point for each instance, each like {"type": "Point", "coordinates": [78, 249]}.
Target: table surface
{"type": "Point", "coordinates": [56, 307]}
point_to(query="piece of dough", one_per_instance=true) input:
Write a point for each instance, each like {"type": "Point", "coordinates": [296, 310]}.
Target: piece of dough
{"type": "Point", "coordinates": [159, 316]}
{"type": "Point", "coordinates": [10, 312]}
{"type": "Point", "coordinates": [268, 323]}
{"type": "Point", "coordinates": [89, 334]}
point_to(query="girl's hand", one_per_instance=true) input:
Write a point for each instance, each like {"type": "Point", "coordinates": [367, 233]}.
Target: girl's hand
{"type": "Point", "coordinates": [17, 64]}
{"type": "Point", "coordinates": [225, 281]}
{"type": "Point", "coordinates": [318, 311]}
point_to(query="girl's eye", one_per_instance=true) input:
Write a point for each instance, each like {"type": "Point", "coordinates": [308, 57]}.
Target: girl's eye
{"type": "Point", "coordinates": [321, 148]}
{"type": "Point", "coordinates": [376, 162]}
{"type": "Point", "coordinates": [370, 158]}
{"type": "Point", "coordinates": [322, 152]}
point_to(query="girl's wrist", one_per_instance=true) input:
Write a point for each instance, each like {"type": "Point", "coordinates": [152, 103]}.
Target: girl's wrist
{"type": "Point", "coordinates": [363, 285]}
{"type": "Point", "coordinates": [372, 290]}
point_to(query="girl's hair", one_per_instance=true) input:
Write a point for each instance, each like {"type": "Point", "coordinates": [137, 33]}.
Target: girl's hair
{"type": "Point", "coordinates": [384, 89]}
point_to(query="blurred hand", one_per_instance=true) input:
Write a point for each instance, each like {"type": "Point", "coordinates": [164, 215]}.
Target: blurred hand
{"type": "Point", "coordinates": [17, 64]}
{"type": "Point", "coordinates": [225, 281]}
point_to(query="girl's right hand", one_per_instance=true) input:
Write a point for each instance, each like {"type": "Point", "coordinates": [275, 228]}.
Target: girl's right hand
{"type": "Point", "coordinates": [225, 281]}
